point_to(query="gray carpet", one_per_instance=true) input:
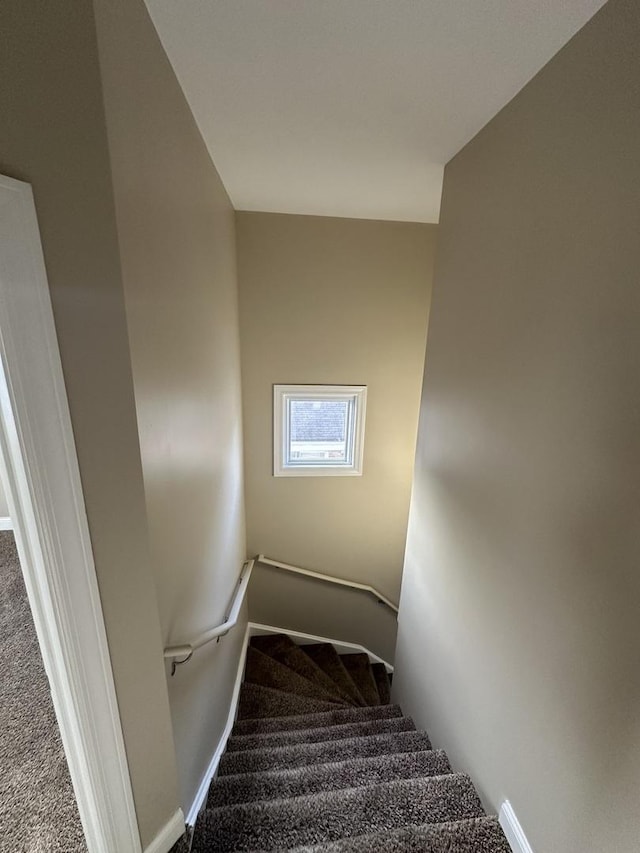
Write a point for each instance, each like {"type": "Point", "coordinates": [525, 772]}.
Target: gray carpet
{"type": "Point", "coordinates": [303, 774]}
{"type": "Point", "coordinates": [328, 659]}
{"type": "Point", "coordinates": [312, 721]}
{"type": "Point", "coordinates": [331, 815]}
{"type": "Point", "coordinates": [38, 812]}
{"type": "Point", "coordinates": [257, 701]}
{"type": "Point", "coordinates": [353, 773]}
{"type": "Point", "coordinates": [347, 730]}
{"type": "Point", "coordinates": [284, 650]}
{"type": "Point", "coordinates": [359, 669]}
{"type": "Point", "coordinates": [477, 835]}
{"type": "Point", "coordinates": [301, 754]}
{"type": "Point", "coordinates": [383, 684]}
{"type": "Point", "coordinates": [265, 670]}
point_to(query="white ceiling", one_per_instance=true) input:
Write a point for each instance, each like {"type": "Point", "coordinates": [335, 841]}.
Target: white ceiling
{"type": "Point", "coordinates": [352, 107]}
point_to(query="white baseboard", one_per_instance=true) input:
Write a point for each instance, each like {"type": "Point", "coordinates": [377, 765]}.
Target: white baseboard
{"type": "Point", "coordinates": [512, 829]}
{"type": "Point", "coordinates": [168, 835]}
{"type": "Point", "coordinates": [203, 788]}
{"type": "Point", "coordinates": [304, 639]}
{"type": "Point", "coordinates": [6, 523]}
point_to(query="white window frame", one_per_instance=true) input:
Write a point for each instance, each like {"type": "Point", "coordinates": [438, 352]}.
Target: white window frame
{"type": "Point", "coordinates": [282, 394]}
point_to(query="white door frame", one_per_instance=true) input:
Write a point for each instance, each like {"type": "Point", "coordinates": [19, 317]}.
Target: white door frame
{"type": "Point", "coordinates": [39, 467]}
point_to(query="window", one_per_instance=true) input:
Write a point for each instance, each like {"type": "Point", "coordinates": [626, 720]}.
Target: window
{"type": "Point", "coordinates": [318, 430]}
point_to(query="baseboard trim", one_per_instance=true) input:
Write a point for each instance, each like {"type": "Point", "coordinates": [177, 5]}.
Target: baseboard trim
{"type": "Point", "coordinates": [302, 639]}
{"type": "Point", "coordinates": [203, 789]}
{"type": "Point", "coordinates": [512, 829]}
{"type": "Point", "coordinates": [6, 523]}
{"type": "Point", "coordinates": [172, 830]}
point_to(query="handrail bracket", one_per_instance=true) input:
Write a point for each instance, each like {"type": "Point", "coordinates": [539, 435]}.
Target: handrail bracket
{"type": "Point", "coordinates": [175, 663]}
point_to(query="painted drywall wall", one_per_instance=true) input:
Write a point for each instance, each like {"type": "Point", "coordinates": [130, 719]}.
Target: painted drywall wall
{"type": "Point", "coordinates": [177, 244]}
{"type": "Point", "coordinates": [519, 635]}
{"type": "Point", "coordinates": [52, 134]}
{"type": "Point", "coordinates": [333, 301]}
{"type": "Point", "coordinates": [322, 609]}
{"type": "Point", "coordinates": [4, 506]}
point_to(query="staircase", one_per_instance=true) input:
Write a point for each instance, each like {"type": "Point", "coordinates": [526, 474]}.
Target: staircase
{"type": "Point", "coordinates": [319, 760]}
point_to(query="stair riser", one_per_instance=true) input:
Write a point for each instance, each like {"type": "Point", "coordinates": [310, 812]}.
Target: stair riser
{"type": "Point", "coordinates": [271, 785]}
{"type": "Point", "coordinates": [359, 669]}
{"type": "Point", "coordinates": [257, 701]}
{"type": "Point", "coordinates": [482, 835]}
{"type": "Point", "coordinates": [311, 721]}
{"type": "Point", "coordinates": [251, 761]}
{"type": "Point", "coordinates": [282, 824]}
{"type": "Point", "coordinates": [324, 733]}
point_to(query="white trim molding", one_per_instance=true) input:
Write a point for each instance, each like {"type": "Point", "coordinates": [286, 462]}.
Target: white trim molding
{"type": "Point", "coordinates": [170, 833]}
{"type": "Point", "coordinates": [203, 789]}
{"type": "Point", "coordinates": [6, 523]}
{"type": "Point", "coordinates": [512, 829]}
{"type": "Point", "coordinates": [44, 493]}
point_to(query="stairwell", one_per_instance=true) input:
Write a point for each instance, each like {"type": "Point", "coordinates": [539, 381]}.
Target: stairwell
{"type": "Point", "coordinates": [320, 760]}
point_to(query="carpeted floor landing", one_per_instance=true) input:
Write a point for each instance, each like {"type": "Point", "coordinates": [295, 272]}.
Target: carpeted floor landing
{"type": "Point", "coordinates": [320, 760]}
{"type": "Point", "coordinates": [38, 812]}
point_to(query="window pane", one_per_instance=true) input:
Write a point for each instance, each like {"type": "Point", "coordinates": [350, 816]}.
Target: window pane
{"type": "Point", "coordinates": [318, 430]}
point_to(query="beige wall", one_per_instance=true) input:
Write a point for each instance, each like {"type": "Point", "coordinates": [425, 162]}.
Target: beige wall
{"type": "Point", "coordinates": [4, 506]}
{"type": "Point", "coordinates": [334, 301]}
{"type": "Point", "coordinates": [177, 242]}
{"type": "Point", "coordinates": [519, 634]}
{"type": "Point", "coordinates": [52, 134]}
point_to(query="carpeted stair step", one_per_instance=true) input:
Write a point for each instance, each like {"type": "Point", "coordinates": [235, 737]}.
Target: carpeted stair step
{"type": "Point", "coordinates": [313, 721]}
{"type": "Point", "coordinates": [285, 651]}
{"type": "Point", "coordinates": [271, 644]}
{"type": "Point", "coordinates": [257, 701]}
{"type": "Point", "coordinates": [381, 678]}
{"type": "Point", "coordinates": [474, 835]}
{"type": "Point", "coordinates": [322, 733]}
{"type": "Point", "coordinates": [359, 669]}
{"type": "Point", "coordinates": [276, 784]}
{"type": "Point", "coordinates": [264, 670]}
{"type": "Point", "coordinates": [326, 817]}
{"type": "Point", "coordinates": [328, 659]}
{"type": "Point", "coordinates": [298, 755]}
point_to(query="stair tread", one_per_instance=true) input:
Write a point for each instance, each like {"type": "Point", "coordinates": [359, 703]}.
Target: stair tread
{"type": "Point", "coordinates": [305, 721]}
{"type": "Point", "coordinates": [270, 644]}
{"type": "Point", "coordinates": [383, 684]}
{"type": "Point", "coordinates": [331, 815]}
{"type": "Point", "coordinates": [352, 773]}
{"type": "Point", "coordinates": [252, 760]}
{"type": "Point", "coordinates": [268, 672]}
{"type": "Point", "coordinates": [258, 701]}
{"type": "Point", "coordinates": [359, 668]}
{"type": "Point", "coordinates": [282, 649]}
{"type": "Point", "coordinates": [472, 835]}
{"type": "Point", "coordinates": [321, 733]}
{"type": "Point", "coordinates": [328, 659]}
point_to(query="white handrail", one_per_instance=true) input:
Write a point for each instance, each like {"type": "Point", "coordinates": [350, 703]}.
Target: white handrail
{"type": "Point", "coordinates": [328, 578]}
{"type": "Point", "coordinates": [185, 650]}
